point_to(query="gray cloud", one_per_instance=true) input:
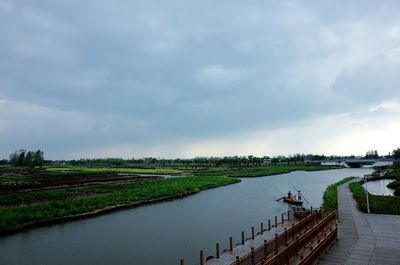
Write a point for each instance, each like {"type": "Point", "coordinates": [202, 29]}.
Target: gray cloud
{"type": "Point", "coordinates": [157, 71]}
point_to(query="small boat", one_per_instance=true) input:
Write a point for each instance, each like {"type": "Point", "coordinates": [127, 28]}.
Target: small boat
{"type": "Point", "coordinates": [292, 201]}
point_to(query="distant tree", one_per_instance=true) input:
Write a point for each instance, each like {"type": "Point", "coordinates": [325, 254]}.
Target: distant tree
{"type": "Point", "coordinates": [396, 153]}
{"type": "Point", "coordinates": [38, 158]}
{"type": "Point", "coordinates": [29, 159]}
{"type": "Point", "coordinates": [372, 154]}
{"type": "Point", "coordinates": [13, 158]}
{"type": "Point", "coordinates": [21, 157]}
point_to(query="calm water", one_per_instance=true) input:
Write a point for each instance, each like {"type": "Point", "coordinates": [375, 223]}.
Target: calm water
{"type": "Point", "coordinates": [162, 233]}
{"type": "Point", "coordinates": [378, 187]}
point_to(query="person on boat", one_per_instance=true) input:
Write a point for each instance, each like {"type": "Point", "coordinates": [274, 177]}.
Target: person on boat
{"type": "Point", "coordinates": [299, 196]}
{"type": "Point", "coordinates": [289, 195]}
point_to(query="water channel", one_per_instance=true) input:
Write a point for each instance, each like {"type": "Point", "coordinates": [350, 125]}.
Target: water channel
{"type": "Point", "coordinates": [160, 234]}
{"type": "Point", "coordinates": [378, 187]}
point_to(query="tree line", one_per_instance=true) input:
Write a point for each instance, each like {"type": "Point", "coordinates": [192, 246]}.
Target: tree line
{"type": "Point", "coordinates": [27, 158]}
{"type": "Point", "coordinates": [23, 157]}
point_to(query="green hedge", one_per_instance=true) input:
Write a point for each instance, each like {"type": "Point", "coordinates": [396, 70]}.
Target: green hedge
{"type": "Point", "coordinates": [330, 195]}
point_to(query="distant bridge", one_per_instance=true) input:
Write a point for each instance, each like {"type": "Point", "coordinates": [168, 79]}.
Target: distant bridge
{"type": "Point", "coordinates": [359, 162]}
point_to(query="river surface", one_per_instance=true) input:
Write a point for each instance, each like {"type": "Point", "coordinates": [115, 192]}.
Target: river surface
{"type": "Point", "coordinates": [161, 233]}
{"type": "Point", "coordinates": [378, 187]}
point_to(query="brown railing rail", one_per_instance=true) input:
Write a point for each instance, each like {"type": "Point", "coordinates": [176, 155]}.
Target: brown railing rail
{"type": "Point", "coordinates": [301, 243]}
{"type": "Point", "coordinates": [272, 246]}
{"type": "Point", "coordinates": [306, 243]}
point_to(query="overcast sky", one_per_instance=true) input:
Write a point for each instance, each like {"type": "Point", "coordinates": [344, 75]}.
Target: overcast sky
{"type": "Point", "coordinates": [199, 78]}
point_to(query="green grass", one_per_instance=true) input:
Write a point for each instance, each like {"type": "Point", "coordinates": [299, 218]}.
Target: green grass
{"type": "Point", "coordinates": [20, 208]}
{"type": "Point", "coordinates": [330, 195]}
{"type": "Point", "coordinates": [14, 180]}
{"type": "Point", "coordinates": [257, 171]}
{"type": "Point", "coordinates": [395, 174]}
{"type": "Point", "coordinates": [377, 203]}
{"type": "Point", "coordinates": [396, 186]}
{"type": "Point", "coordinates": [114, 170]}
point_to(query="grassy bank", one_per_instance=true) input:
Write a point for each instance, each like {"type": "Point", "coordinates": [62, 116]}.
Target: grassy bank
{"type": "Point", "coordinates": [330, 195]}
{"type": "Point", "coordinates": [396, 186]}
{"type": "Point", "coordinates": [395, 174]}
{"type": "Point", "coordinates": [377, 204]}
{"type": "Point", "coordinates": [258, 171]}
{"type": "Point", "coordinates": [21, 209]}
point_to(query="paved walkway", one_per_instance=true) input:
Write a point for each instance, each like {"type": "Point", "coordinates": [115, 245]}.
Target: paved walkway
{"type": "Point", "coordinates": [363, 238]}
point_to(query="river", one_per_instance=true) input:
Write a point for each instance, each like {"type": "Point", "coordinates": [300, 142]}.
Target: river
{"type": "Point", "coordinates": [161, 233]}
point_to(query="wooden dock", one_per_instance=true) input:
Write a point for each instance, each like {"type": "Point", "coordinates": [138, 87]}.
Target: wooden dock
{"type": "Point", "coordinates": [363, 238]}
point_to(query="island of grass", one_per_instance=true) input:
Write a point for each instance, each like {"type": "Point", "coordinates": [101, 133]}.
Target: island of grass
{"type": "Point", "coordinates": [330, 195]}
{"type": "Point", "coordinates": [104, 170]}
{"type": "Point", "coordinates": [226, 171]}
{"type": "Point", "coordinates": [258, 171]}
{"type": "Point", "coordinates": [20, 210]}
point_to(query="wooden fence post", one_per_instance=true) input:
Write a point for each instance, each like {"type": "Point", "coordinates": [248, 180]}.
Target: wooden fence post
{"type": "Point", "coordinates": [252, 256]}
{"type": "Point", "coordinates": [201, 257]}
{"type": "Point", "coordinates": [217, 250]}
{"type": "Point", "coordinates": [269, 224]}
{"type": "Point", "coordinates": [285, 235]}
{"type": "Point", "coordinates": [262, 228]}
{"type": "Point", "coordinates": [293, 231]}
{"type": "Point", "coordinates": [265, 248]}
{"type": "Point", "coordinates": [230, 244]}
{"type": "Point", "coordinates": [182, 262]}
{"type": "Point", "coordinates": [252, 232]}
{"type": "Point", "coordinates": [242, 237]}
{"type": "Point", "coordinates": [276, 221]}
{"type": "Point", "coordinates": [282, 217]}
{"type": "Point", "coordinates": [237, 260]}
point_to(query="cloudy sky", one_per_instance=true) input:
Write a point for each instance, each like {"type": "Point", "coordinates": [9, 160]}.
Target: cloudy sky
{"type": "Point", "coordinates": [186, 78]}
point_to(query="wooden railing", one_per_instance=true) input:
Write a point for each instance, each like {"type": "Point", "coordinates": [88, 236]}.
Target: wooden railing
{"type": "Point", "coordinates": [302, 243]}
{"type": "Point", "coordinates": [261, 253]}
{"type": "Point", "coordinates": [308, 246]}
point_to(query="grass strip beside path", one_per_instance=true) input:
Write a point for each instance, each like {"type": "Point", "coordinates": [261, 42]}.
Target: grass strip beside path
{"type": "Point", "coordinates": [377, 203]}
{"type": "Point", "coordinates": [330, 195]}
{"type": "Point", "coordinates": [60, 204]}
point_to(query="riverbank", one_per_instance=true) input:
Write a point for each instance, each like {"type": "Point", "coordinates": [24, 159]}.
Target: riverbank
{"type": "Point", "coordinates": [330, 195]}
{"type": "Point", "coordinates": [258, 171]}
{"type": "Point", "coordinates": [20, 211]}
{"type": "Point", "coordinates": [394, 174]}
